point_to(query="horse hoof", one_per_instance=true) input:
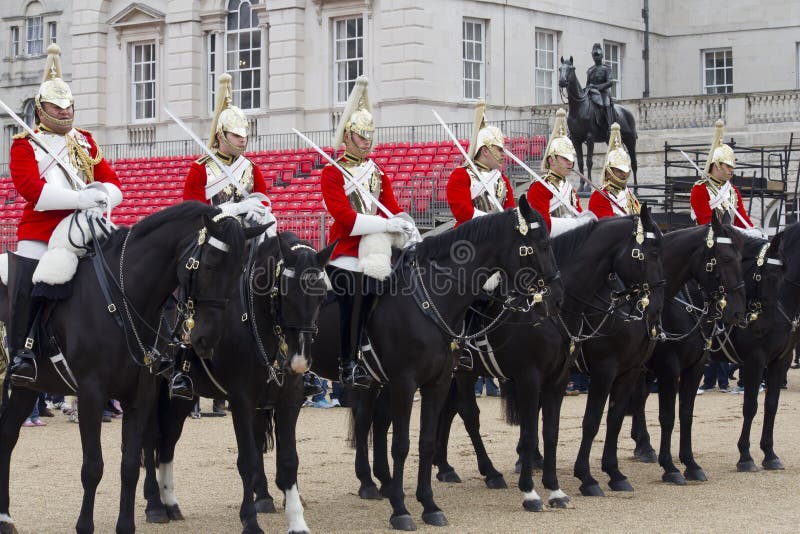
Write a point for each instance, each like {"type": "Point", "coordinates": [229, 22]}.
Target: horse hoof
{"type": "Point", "coordinates": [646, 456]}
{"type": "Point", "coordinates": [620, 485]}
{"type": "Point", "coordinates": [253, 530]}
{"type": "Point", "coordinates": [592, 490]}
{"type": "Point", "coordinates": [265, 506]}
{"type": "Point", "coordinates": [773, 465]}
{"type": "Point", "coordinates": [448, 476]}
{"type": "Point", "coordinates": [437, 519]}
{"type": "Point", "coordinates": [518, 467]}
{"type": "Point", "coordinates": [370, 493]}
{"type": "Point", "coordinates": [560, 502]}
{"type": "Point", "coordinates": [747, 467]}
{"type": "Point", "coordinates": [403, 522]}
{"type": "Point", "coordinates": [535, 505]}
{"type": "Point", "coordinates": [695, 475]}
{"type": "Point", "coordinates": [174, 512]}
{"type": "Point", "coordinates": [496, 482]}
{"type": "Point", "coordinates": [154, 515]}
{"type": "Point", "coordinates": [8, 528]}
{"type": "Point", "coordinates": [673, 477]}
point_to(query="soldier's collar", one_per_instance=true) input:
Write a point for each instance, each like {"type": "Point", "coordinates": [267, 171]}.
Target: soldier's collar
{"type": "Point", "coordinates": [45, 129]}
{"type": "Point", "coordinates": [612, 187]}
{"type": "Point", "coordinates": [352, 158]}
{"type": "Point", "coordinates": [481, 167]}
{"type": "Point", "coordinates": [716, 183]}
{"type": "Point", "coordinates": [554, 175]}
{"type": "Point", "coordinates": [224, 158]}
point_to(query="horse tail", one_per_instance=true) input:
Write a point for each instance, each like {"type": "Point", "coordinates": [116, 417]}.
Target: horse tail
{"type": "Point", "coordinates": [269, 431]}
{"type": "Point", "coordinates": [508, 394]}
{"type": "Point", "coordinates": [6, 387]}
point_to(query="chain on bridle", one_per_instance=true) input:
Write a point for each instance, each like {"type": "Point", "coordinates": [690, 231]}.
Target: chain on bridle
{"type": "Point", "coordinates": [718, 296]}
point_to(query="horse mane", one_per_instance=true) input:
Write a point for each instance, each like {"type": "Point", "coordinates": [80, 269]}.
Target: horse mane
{"type": "Point", "coordinates": [567, 244]}
{"type": "Point", "coordinates": [488, 228]}
{"type": "Point", "coordinates": [791, 236]}
{"type": "Point", "coordinates": [182, 211]}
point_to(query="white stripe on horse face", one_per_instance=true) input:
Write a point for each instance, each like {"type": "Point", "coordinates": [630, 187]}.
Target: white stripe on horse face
{"type": "Point", "coordinates": [294, 510]}
{"type": "Point", "coordinates": [530, 496]}
{"type": "Point", "coordinates": [166, 484]}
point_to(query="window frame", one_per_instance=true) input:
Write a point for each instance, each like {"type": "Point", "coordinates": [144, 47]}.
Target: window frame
{"type": "Point", "coordinates": [30, 41]}
{"type": "Point", "coordinates": [359, 60]}
{"type": "Point", "coordinates": [616, 93]}
{"type": "Point", "coordinates": [465, 45]}
{"type": "Point", "coordinates": [52, 32]}
{"type": "Point", "coordinates": [254, 71]}
{"type": "Point", "coordinates": [704, 71]}
{"type": "Point", "coordinates": [15, 42]}
{"type": "Point", "coordinates": [536, 68]}
{"type": "Point", "coordinates": [134, 83]}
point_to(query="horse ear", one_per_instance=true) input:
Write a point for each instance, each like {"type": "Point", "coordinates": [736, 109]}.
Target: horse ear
{"type": "Point", "coordinates": [716, 224]}
{"type": "Point", "coordinates": [255, 231]}
{"type": "Point", "coordinates": [570, 60]}
{"type": "Point", "coordinates": [524, 207]}
{"type": "Point", "coordinates": [325, 254]}
{"type": "Point", "coordinates": [286, 250]}
{"type": "Point", "coordinates": [775, 244]}
{"type": "Point", "coordinates": [562, 59]}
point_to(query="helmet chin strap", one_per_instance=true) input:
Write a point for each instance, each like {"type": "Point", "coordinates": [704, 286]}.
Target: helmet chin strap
{"type": "Point", "coordinates": [60, 123]}
{"type": "Point", "coordinates": [233, 150]}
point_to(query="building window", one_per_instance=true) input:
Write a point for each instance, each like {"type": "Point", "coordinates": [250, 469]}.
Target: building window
{"type": "Point", "coordinates": [612, 56]}
{"type": "Point", "coordinates": [52, 34]}
{"type": "Point", "coordinates": [33, 29]}
{"type": "Point", "coordinates": [717, 71]}
{"type": "Point", "coordinates": [545, 68]}
{"type": "Point", "coordinates": [473, 44]}
{"type": "Point", "coordinates": [143, 76]}
{"type": "Point", "coordinates": [243, 54]}
{"type": "Point", "coordinates": [348, 56]}
{"type": "Point", "coordinates": [14, 41]}
{"type": "Point", "coordinates": [212, 71]}
{"type": "Point", "coordinates": [29, 113]}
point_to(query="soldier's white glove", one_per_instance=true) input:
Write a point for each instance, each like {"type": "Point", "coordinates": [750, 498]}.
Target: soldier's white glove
{"type": "Point", "coordinates": [92, 198]}
{"type": "Point", "coordinates": [399, 225]}
{"type": "Point", "coordinates": [588, 215]}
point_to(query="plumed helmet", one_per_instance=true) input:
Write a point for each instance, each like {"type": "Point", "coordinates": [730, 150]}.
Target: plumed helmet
{"type": "Point", "coordinates": [227, 117]}
{"type": "Point", "coordinates": [559, 143]}
{"type": "Point", "coordinates": [720, 152]}
{"type": "Point", "coordinates": [357, 115]}
{"type": "Point", "coordinates": [483, 134]}
{"type": "Point", "coordinates": [53, 89]}
{"type": "Point", "coordinates": [617, 156]}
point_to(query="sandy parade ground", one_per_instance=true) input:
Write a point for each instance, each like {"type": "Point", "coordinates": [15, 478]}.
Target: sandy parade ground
{"type": "Point", "coordinates": [46, 489]}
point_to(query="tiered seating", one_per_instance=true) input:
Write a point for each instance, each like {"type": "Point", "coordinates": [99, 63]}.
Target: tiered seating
{"type": "Point", "coordinates": [419, 172]}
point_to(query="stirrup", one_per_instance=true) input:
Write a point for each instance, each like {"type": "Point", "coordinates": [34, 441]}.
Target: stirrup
{"type": "Point", "coordinates": [356, 376]}
{"type": "Point", "coordinates": [23, 370]}
{"type": "Point", "coordinates": [181, 387]}
{"type": "Point", "coordinates": [464, 362]}
{"type": "Point", "coordinates": [311, 385]}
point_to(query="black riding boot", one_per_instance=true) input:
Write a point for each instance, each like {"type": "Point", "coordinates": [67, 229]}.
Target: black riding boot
{"type": "Point", "coordinates": [311, 385]}
{"type": "Point", "coordinates": [23, 360]}
{"type": "Point", "coordinates": [352, 316]}
{"type": "Point", "coordinates": [180, 384]}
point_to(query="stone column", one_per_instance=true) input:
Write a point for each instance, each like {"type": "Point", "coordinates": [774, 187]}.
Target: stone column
{"type": "Point", "coordinates": [89, 64]}
{"type": "Point", "coordinates": [286, 64]}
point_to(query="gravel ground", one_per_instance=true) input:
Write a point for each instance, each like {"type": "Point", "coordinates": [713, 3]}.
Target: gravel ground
{"type": "Point", "coordinates": [46, 490]}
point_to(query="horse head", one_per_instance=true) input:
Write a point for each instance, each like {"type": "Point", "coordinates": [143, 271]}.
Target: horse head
{"type": "Point", "coordinates": [535, 272]}
{"type": "Point", "coordinates": [566, 72]}
{"type": "Point", "coordinates": [718, 268]}
{"type": "Point", "coordinates": [213, 266]}
{"type": "Point", "coordinates": [297, 297]}
{"type": "Point", "coordinates": [763, 268]}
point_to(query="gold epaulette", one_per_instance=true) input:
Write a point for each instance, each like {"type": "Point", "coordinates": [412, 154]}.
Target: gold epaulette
{"type": "Point", "coordinates": [702, 181]}
{"type": "Point", "coordinates": [21, 135]}
{"type": "Point", "coordinates": [203, 160]}
{"type": "Point", "coordinates": [85, 132]}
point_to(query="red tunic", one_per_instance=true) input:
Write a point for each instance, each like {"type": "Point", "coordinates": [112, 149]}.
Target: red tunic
{"type": "Point", "coordinates": [344, 216]}
{"type": "Point", "coordinates": [539, 198]}
{"type": "Point", "coordinates": [700, 205]}
{"type": "Point", "coordinates": [460, 199]}
{"type": "Point", "coordinates": [39, 225]}
{"type": "Point", "coordinates": [600, 205]}
{"type": "Point", "coordinates": [196, 180]}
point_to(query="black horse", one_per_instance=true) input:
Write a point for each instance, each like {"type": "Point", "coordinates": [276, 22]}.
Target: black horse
{"type": "Point", "coordinates": [615, 358]}
{"type": "Point", "coordinates": [586, 122]}
{"type": "Point", "coordinates": [258, 364]}
{"type": "Point", "coordinates": [160, 253]}
{"type": "Point", "coordinates": [678, 364]}
{"type": "Point", "coordinates": [416, 328]}
{"type": "Point", "coordinates": [534, 354]}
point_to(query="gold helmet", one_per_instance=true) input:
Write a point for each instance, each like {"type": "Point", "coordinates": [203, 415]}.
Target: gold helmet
{"type": "Point", "coordinates": [357, 115]}
{"type": "Point", "coordinates": [482, 134]}
{"type": "Point", "coordinates": [559, 143]}
{"type": "Point", "coordinates": [53, 89]}
{"type": "Point", "coordinates": [616, 158]}
{"type": "Point", "coordinates": [227, 117]}
{"type": "Point", "coordinates": [720, 152]}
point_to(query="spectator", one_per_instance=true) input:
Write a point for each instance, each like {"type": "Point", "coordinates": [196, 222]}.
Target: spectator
{"type": "Point", "coordinates": [491, 388]}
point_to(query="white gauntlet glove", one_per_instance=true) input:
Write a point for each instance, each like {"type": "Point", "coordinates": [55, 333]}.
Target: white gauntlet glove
{"type": "Point", "coordinates": [92, 198]}
{"type": "Point", "coordinates": [398, 225]}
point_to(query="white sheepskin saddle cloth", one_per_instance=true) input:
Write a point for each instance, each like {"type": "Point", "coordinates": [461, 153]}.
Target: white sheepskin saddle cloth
{"type": "Point", "coordinates": [67, 244]}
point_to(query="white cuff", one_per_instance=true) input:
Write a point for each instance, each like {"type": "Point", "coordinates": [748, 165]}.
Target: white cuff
{"type": "Point", "coordinates": [113, 192]}
{"type": "Point", "coordinates": [56, 198]}
{"type": "Point", "coordinates": [478, 213]}
{"type": "Point", "coordinates": [368, 224]}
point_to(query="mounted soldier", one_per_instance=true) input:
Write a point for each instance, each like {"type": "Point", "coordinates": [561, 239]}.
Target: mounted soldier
{"type": "Point", "coordinates": [715, 194]}
{"type": "Point", "coordinates": [358, 202]}
{"type": "Point", "coordinates": [614, 197]}
{"type": "Point", "coordinates": [238, 188]}
{"type": "Point", "coordinates": [558, 201]}
{"type": "Point", "coordinates": [475, 190]}
{"type": "Point", "coordinates": [58, 169]}
{"type": "Point", "coordinates": [598, 84]}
